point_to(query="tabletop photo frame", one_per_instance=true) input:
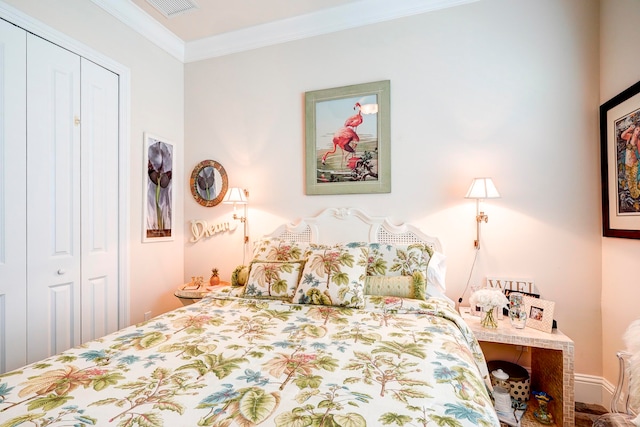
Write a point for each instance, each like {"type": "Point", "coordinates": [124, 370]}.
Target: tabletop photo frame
{"type": "Point", "coordinates": [539, 313]}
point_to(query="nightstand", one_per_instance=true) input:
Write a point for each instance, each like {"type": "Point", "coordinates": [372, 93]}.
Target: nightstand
{"type": "Point", "coordinates": [552, 369]}
{"type": "Point", "coordinates": [189, 296]}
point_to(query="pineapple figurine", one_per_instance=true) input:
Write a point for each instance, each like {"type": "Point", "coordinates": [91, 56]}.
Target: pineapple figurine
{"type": "Point", "coordinates": [215, 279]}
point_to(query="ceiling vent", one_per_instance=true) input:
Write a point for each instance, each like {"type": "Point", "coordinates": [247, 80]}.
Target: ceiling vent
{"type": "Point", "coordinates": [171, 8]}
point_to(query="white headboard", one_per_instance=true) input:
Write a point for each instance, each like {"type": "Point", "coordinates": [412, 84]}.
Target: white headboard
{"type": "Point", "coordinates": [335, 225]}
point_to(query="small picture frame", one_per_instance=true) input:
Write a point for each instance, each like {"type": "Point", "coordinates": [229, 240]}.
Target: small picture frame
{"type": "Point", "coordinates": [539, 313]}
{"type": "Point", "coordinates": [508, 292]}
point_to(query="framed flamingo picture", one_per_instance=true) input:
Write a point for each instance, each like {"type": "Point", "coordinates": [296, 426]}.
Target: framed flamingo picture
{"type": "Point", "coordinates": [347, 131]}
{"type": "Point", "coordinates": [159, 163]}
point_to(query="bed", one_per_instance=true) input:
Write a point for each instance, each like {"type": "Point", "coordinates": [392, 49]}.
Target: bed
{"type": "Point", "coordinates": [366, 343]}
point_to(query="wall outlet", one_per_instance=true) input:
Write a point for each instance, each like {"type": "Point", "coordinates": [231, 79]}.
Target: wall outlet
{"type": "Point", "coordinates": [147, 315]}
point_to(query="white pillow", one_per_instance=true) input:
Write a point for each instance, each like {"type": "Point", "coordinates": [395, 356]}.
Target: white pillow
{"type": "Point", "coordinates": [436, 271]}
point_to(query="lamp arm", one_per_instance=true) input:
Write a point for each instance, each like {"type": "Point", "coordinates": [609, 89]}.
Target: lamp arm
{"type": "Point", "coordinates": [480, 217]}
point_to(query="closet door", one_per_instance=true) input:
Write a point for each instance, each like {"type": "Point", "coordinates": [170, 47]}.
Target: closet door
{"type": "Point", "coordinates": [13, 197]}
{"type": "Point", "coordinates": [100, 175]}
{"type": "Point", "coordinates": [53, 197]}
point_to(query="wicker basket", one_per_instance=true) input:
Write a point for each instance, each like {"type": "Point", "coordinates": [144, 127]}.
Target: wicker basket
{"type": "Point", "coordinates": [518, 378]}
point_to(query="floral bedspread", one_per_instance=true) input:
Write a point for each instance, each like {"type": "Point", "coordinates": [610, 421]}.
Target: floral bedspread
{"type": "Point", "coordinates": [228, 361]}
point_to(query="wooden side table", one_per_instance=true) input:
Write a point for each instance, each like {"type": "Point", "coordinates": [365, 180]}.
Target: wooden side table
{"type": "Point", "coordinates": [552, 364]}
{"type": "Point", "coordinates": [189, 296]}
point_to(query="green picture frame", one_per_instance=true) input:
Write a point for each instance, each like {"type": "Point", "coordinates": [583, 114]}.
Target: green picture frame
{"type": "Point", "coordinates": [347, 139]}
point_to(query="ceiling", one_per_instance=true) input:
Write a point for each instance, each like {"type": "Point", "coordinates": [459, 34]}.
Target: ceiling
{"type": "Point", "coordinates": [222, 27]}
{"type": "Point", "coordinates": [213, 17]}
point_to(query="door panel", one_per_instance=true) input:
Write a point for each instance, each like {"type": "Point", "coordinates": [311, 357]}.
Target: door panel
{"type": "Point", "coordinates": [99, 201]}
{"type": "Point", "coordinates": [53, 193]}
{"type": "Point", "coordinates": [13, 200]}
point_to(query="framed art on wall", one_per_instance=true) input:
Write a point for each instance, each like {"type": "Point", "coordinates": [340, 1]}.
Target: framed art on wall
{"type": "Point", "coordinates": [208, 183]}
{"type": "Point", "coordinates": [347, 132]}
{"type": "Point", "coordinates": [620, 154]}
{"type": "Point", "coordinates": [159, 162]}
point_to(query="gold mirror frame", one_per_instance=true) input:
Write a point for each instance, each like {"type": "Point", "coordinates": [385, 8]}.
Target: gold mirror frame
{"type": "Point", "coordinates": [208, 183]}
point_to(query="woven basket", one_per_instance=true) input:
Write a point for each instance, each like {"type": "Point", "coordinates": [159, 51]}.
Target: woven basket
{"type": "Point", "coordinates": [518, 378]}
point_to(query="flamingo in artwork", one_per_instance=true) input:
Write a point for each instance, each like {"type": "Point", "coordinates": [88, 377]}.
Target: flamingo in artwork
{"type": "Point", "coordinates": [343, 139]}
{"type": "Point", "coordinates": [355, 120]}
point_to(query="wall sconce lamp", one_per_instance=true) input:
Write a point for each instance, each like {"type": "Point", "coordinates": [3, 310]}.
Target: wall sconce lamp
{"type": "Point", "coordinates": [238, 196]}
{"type": "Point", "coordinates": [481, 188]}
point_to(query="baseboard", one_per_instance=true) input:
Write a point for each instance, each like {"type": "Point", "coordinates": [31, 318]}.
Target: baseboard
{"type": "Point", "coordinates": [592, 389]}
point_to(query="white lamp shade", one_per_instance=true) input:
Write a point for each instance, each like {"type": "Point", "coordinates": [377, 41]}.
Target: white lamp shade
{"type": "Point", "coordinates": [235, 195]}
{"type": "Point", "coordinates": [482, 188]}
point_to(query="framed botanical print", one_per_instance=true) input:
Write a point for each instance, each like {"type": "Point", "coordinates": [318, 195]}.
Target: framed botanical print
{"type": "Point", "coordinates": [159, 169]}
{"type": "Point", "coordinates": [347, 139]}
{"type": "Point", "coordinates": [208, 183]}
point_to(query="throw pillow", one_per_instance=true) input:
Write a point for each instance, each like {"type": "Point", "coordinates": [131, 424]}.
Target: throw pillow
{"type": "Point", "coordinates": [333, 276]}
{"type": "Point", "coordinates": [272, 249]}
{"type": "Point", "coordinates": [398, 260]}
{"type": "Point", "coordinates": [396, 286]}
{"type": "Point", "coordinates": [273, 279]}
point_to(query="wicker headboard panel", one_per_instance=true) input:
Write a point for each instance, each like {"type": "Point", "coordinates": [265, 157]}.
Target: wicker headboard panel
{"type": "Point", "coordinates": [335, 225]}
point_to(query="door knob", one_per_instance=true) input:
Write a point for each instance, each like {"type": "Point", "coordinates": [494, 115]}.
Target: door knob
{"type": "Point", "coordinates": [61, 272]}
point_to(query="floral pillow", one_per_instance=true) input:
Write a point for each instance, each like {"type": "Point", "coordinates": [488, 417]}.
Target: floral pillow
{"type": "Point", "coordinates": [397, 286]}
{"type": "Point", "coordinates": [273, 249]}
{"type": "Point", "coordinates": [398, 260]}
{"type": "Point", "coordinates": [273, 279]}
{"type": "Point", "coordinates": [333, 276]}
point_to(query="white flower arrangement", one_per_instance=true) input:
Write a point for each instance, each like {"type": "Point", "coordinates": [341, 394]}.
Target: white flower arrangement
{"type": "Point", "coordinates": [488, 299]}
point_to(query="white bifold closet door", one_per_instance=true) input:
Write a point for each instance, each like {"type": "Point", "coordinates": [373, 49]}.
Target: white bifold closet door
{"type": "Point", "coordinates": [13, 196]}
{"type": "Point", "coordinates": [53, 199]}
{"type": "Point", "coordinates": [99, 193]}
{"type": "Point", "coordinates": [58, 199]}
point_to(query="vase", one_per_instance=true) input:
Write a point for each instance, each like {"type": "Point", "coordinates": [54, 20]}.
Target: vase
{"type": "Point", "coordinates": [489, 318]}
{"type": "Point", "coordinates": [542, 414]}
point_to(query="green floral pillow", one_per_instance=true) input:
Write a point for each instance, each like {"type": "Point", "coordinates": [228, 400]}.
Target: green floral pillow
{"type": "Point", "coordinates": [398, 260]}
{"type": "Point", "coordinates": [273, 249]}
{"type": "Point", "coordinates": [396, 286]}
{"type": "Point", "coordinates": [333, 276]}
{"type": "Point", "coordinates": [273, 279]}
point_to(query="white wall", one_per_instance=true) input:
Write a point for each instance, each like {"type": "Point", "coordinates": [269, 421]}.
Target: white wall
{"type": "Point", "coordinates": [499, 88]}
{"type": "Point", "coordinates": [620, 68]}
{"type": "Point", "coordinates": [157, 106]}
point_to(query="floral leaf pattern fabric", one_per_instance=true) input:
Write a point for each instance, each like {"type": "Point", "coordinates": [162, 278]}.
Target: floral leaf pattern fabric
{"type": "Point", "coordinates": [229, 361]}
{"type": "Point", "coordinates": [398, 260]}
{"type": "Point", "coordinates": [413, 286]}
{"type": "Point", "coordinates": [333, 276]}
{"type": "Point", "coordinates": [273, 249]}
{"type": "Point", "coordinates": [277, 279]}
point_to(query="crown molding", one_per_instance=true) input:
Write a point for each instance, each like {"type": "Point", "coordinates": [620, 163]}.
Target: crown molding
{"type": "Point", "coordinates": [350, 15]}
{"type": "Point", "coordinates": [140, 21]}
